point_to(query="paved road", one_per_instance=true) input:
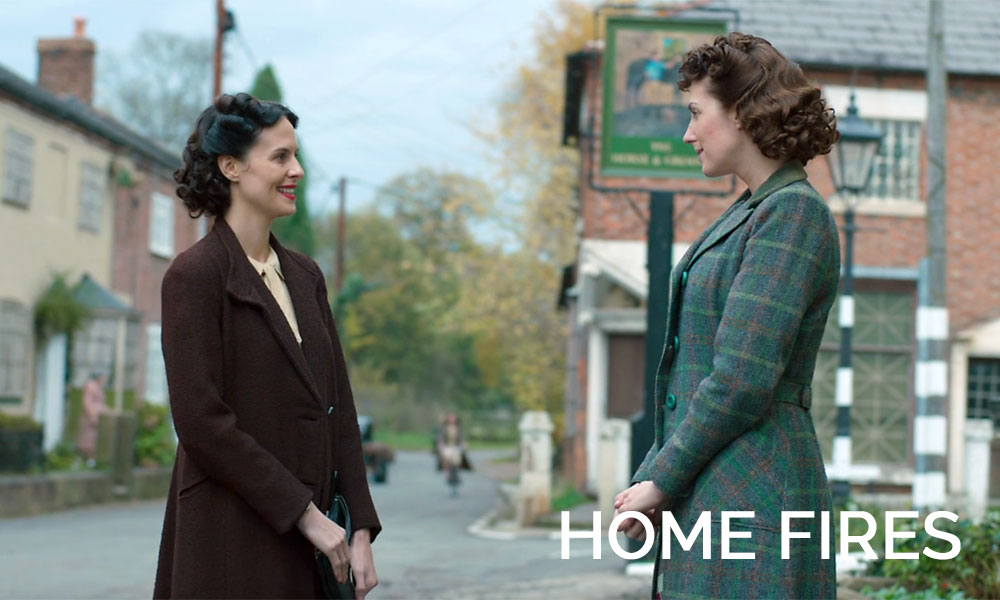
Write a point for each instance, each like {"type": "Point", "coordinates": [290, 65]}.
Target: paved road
{"type": "Point", "coordinates": [99, 552]}
{"type": "Point", "coordinates": [425, 550]}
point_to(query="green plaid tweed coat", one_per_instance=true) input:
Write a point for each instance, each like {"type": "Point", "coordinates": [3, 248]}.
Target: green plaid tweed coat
{"type": "Point", "coordinates": [748, 305]}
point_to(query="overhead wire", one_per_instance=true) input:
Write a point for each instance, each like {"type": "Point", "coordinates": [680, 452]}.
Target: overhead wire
{"type": "Point", "coordinates": [417, 43]}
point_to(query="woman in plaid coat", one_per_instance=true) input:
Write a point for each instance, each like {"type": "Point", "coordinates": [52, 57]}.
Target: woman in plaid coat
{"type": "Point", "coordinates": [748, 305]}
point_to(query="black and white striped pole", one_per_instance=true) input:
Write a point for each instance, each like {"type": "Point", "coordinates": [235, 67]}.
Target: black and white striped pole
{"type": "Point", "coordinates": [845, 372]}
{"type": "Point", "coordinates": [851, 166]}
{"type": "Point", "coordinates": [930, 424]}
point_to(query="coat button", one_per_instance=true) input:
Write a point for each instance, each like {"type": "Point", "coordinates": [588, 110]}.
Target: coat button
{"type": "Point", "coordinates": [684, 278]}
{"type": "Point", "coordinates": [671, 401]}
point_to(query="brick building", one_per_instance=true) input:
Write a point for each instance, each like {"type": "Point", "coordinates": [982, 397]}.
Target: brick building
{"type": "Point", "coordinates": [85, 196]}
{"type": "Point", "coordinates": [882, 46]}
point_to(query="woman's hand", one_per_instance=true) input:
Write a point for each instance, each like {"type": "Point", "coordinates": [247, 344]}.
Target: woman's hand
{"type": "Point", "coordinates": [645, 498]}
{"type": "Point", "coordinates": [329, 538]}
{"type": "Point", "coordinates": [362, 563]}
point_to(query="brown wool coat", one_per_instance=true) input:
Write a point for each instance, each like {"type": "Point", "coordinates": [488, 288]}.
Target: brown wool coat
{"type": "Point", "coordinates": [261, 422]}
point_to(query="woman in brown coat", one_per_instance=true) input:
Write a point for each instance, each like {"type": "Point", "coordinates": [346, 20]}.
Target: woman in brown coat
{"type": "Point", "coordinates": [258, 383]}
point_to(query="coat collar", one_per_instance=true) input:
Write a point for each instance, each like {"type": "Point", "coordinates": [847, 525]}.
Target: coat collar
{"type": "Point", "coordinates": [245, 284]}
{"type": "Point", "coordinates": [272, 261]}
{"type": "Point", "coordinates": [741, 210]}
{"type": "Point", "coordinates": [734, 216]}
{"type": "Point", "coordinates": [787, 174]}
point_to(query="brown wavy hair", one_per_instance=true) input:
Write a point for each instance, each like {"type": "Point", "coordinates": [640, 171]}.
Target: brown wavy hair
{"type": "Point", "coordinates": [784, 114]}
{"type": "Point", "coordinates": [230, 126]}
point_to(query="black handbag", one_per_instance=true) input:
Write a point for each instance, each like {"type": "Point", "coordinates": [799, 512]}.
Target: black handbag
{"type": "Point", "coordinates": [341, 515]}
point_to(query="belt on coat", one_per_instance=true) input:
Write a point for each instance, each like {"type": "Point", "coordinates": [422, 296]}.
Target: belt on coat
{"type": "Point", "coordinates": [793, 392]}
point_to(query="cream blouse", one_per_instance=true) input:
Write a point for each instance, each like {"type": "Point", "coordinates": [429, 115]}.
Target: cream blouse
{"type": "Point", "coordinates": [274, 279]}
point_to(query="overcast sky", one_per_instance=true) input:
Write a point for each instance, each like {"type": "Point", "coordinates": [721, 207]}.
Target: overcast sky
{"type": "Point", "coordinates": [380, 87]}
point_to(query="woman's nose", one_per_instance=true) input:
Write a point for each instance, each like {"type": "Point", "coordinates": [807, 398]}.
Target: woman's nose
{"type": "Point", "coordinates": [689, 135]}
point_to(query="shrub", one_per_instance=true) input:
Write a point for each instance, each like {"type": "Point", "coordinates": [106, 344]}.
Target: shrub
{"type": "Point", "coordinates": [898, 592]}
{"type": "Point", "coordinates": [974, 572]}
{"type": "Point", "coordinates": [58, 311]}
{"type": "Point", "coordinates": [154, 439]}
{"type": "Point", "coordinates": [18, 423]}
{"type": "Point", "coordinates": [860, 527]}
{"type": "Point", "coordinates": [20, 443]}
{"type": "Point", "coordinates": [64, 457]}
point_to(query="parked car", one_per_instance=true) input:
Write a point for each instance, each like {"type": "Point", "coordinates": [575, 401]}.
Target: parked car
{"type": "Point", "coordinates": [377, 455]}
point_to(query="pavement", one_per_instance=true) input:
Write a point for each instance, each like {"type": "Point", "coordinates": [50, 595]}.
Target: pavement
{"type": "Point", "coordinates": [432, 545]}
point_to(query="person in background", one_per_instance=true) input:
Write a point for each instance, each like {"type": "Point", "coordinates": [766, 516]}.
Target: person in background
{"type": "Point", "coordinates": [257, 382]}
{"type": "Point", "coordinates": [451, 450]}
{"type": "Point", "coordinates": [94, 403]}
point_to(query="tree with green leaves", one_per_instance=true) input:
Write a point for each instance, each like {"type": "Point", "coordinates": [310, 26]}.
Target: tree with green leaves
{"type": "Point", "coordinates": [405, 267]}
{"type": "Point", "coordinates": [296, 231]}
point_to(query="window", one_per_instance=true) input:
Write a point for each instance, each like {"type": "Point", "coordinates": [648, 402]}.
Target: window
{"type": "Point", "coordinates": [161, 226]}
{"type": "Point", "coordinates": [94, 348]}
{"type": "Point", "coordinates": [984, 390]}
{"type": "Point", "coordinates": [896, 169]}
{"type": "Point", "coordinates": [15, 328]}
{"type": "Point", "coordinates": [91, 197]}
{"type": "Point", "coordinates": [19, 166]}
{"type": "Point", "coordinates": [156, 371]}
{"type": "Point", "coordinates": [882, 358]}
{"type": "Point", "coordinates": [900, 115]}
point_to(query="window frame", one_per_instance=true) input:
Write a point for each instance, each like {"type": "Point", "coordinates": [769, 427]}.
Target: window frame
{"type": "Point", "coordinates": [93, 191]}
{"type": "Point", "coordinates": [22, 178]}
{"type": "Point", "coordinates": [155, 389]}
{"type": "Point", "coordinates": [978, 387]}
{"type": "Point", "coordinates": [15, 321]}
{"type": "Point", "coordinates": [886, 109]}
{"type": "Point", "coordinates": [161, 225]}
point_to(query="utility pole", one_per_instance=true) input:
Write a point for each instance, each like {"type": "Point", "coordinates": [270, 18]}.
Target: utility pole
{"type": "Point", "coordinates": [931, 421]}
{"type": "Point", "coordinates": [341, 233]}
{"type": "Point", "coordinates": [223, 22]}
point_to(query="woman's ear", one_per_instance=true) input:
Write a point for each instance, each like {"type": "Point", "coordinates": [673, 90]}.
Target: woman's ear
{"type": "Point", "coordinates": [229, 167]}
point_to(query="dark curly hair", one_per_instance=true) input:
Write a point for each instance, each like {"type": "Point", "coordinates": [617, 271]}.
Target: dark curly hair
{"type": "Point", "coordinates": [782, 111]}
{"type": "Point", "coordinates": [229, 127]}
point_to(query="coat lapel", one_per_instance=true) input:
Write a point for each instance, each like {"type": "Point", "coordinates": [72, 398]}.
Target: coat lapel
{"type": "Point", "coordinates": [302, 285]}
{"type": "Point", "coordinates": [741, 210]}
{"type": "Point", "coordinates": [734, 216]}
{"type": "Point", "coordinates": [246, 285]}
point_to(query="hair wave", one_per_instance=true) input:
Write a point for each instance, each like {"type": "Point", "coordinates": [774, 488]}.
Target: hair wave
{"type": "Point", "coordinates": [784, 114]}
{"type": "Point", "coordinates": [230, 126]}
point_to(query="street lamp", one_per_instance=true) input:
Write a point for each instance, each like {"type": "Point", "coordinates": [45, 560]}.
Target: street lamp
{"type": "Point", "coordinates": [851, 158]}
{"type": "Point", "coordinates": [851, 167]}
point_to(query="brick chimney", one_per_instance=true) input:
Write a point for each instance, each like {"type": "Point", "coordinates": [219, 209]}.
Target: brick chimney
{"type": "Point", "coordinates": [66, 65]}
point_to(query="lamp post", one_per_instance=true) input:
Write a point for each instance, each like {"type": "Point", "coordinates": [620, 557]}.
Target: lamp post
{"type": "Point", "coordinates": [851, 167]}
